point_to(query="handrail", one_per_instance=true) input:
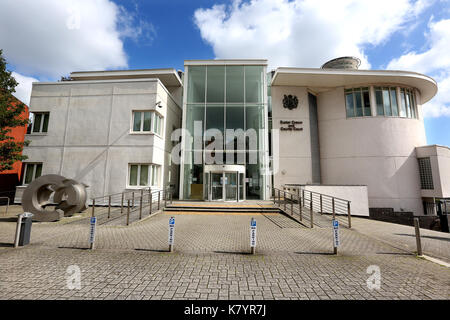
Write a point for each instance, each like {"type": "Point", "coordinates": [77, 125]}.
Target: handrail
{"type": "Point", "coordinates": [128, 204]}
{"type": "Point", "coordinates": [7, 205]}
{"type": "Point", "coordinates": [337, 206]}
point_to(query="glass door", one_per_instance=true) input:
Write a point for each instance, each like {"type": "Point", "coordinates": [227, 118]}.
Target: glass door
{"type": "Point", "coordinates": [217, 181]}
{"type": "Point", "coordinates": [231, 186]}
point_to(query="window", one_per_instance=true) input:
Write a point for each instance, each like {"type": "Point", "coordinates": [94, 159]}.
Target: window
{"type": "Point", "coordinates": [147, 121]}
{"type": "Point", "coordinates": [407, 103]}
{"type": "Point", "coordinates": [31, 172]}
{"type": "Point", "coordinates": [386, 101]}
{"type": "Point", "coordinates": [426, 175]}
{"type": "Point", "coordinates": [143, 175]}
{"type": "Point", "coordinates": [39, 122]}
{"type": "Point", "coordinates": [357, 102]}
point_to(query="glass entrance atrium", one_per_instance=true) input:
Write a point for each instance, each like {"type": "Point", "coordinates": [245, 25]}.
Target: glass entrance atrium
{"type": "Point", "coordinates": [225, 137]}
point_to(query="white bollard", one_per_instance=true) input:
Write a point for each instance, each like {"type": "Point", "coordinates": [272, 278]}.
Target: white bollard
{"type": "Point", "coordinates": [93, 225]}
{"type": "Point", "coordinates": [171, 233]}
{"type": "Point", "coordinates": [253, 235]}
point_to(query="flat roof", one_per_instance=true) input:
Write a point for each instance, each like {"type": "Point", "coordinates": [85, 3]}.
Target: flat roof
{"type": "Point", "coordinates": [325, 79]}
{"type": "Point", "coordinates": [169, 77]}
{"type": "Point", "coordinates": [258, 62]}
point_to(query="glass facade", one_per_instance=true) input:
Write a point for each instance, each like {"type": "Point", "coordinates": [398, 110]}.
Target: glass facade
{"type": "Point", "coordinates": [225, 120]}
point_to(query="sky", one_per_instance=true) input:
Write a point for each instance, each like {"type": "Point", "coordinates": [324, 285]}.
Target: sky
{"type": "Point", "coordinates": [46, 39]}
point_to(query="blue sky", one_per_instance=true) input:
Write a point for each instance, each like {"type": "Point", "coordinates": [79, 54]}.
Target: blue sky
{"type": "Point", "coordinates": [70, 35]}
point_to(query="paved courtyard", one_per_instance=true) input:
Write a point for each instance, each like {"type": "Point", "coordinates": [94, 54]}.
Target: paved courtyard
{"type": "Point", "coordinates": [211, 260]}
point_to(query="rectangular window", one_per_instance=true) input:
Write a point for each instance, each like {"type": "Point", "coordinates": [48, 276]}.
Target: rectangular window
{"type": "Point", "coordinates": [402, 103]}
{"type": "Point", "coordinates": [147, 121]}
{"type": "Point", "coordinates": [31, 172]}
{"type": "Point", "coordinates": [39, 122]}
{"type": "Point", "coordinates": [386, 100]}
{"type": "Point", "coordinates": [143, 175]}
{"type": "Point", "coordinates": [426, 174]}
{"type": "Point", "coordinates": [357, 102]}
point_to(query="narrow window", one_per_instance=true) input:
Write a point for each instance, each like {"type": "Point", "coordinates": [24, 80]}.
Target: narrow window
{"type": "Point", "coordinates": [39, 122]}
{"type": "Point", "coordinates": [379, 101]}
{"type": "Point", "coordinates": [349, 103]}
{"type": "Point", "coordinates": [32, 171]}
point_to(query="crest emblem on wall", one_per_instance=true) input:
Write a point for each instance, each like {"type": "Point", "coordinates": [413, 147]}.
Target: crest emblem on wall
{"type": "Point", "coordinates": [290, 102]}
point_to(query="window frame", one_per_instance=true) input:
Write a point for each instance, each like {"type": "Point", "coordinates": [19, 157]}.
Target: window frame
{"type": "Point", "coordinates": [33, 175]}
{"type": "Point", "coordinates": [360, 90]}
{"type": "Point", "coordinates": [30, 127]}
{"type": "Point", "coordinates": [152, 168]}
{"type": "Point", "coordinates": [412, 111]}
{"type": "Point", "coordinates": [154, 115]}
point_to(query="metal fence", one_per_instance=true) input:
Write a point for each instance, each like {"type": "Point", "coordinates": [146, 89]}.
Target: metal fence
{"type": "Point", "coordinates": [7, 204]}
{"type": "Point", "coordinates": [296, 202]}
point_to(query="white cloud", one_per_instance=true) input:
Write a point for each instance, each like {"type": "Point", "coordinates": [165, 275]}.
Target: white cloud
{"type": "Point", "coordinates": [23, 89]}
{"type": "Point", "coordinates": [51, 38]}
{"type": "Point", "coordinates": [303, 33]}
{"type": "Point", "coordinates": [435, 62]}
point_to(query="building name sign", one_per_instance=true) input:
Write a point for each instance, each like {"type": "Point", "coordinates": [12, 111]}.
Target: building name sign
{"type": "Point", "coordinates": [290, 125]}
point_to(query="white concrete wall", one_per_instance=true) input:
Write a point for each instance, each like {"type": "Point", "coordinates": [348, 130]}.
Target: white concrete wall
{"type": "Point", "coordinates": [294, 146]}
{"type": "Point", "coordinates": [375, 151]}
{"type": "Point", "coordinates": [358, 196]}
{"type": "Point", "coordinates": [440, 166]}
{"type": "Point", "coordinates": [89, 135]}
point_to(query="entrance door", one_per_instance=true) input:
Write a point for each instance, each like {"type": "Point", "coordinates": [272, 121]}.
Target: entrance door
{"type": "Point", "coordinates": [231, 186]}
{"type": "Point", "coordinates": [217, 186]}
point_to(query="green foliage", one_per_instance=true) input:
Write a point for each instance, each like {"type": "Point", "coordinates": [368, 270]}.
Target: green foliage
{"type": "Point", "coordinates": [10, 111]}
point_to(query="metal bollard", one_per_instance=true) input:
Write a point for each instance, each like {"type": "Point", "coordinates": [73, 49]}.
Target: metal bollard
{"type": "Point", "coordinates": [93, 208]}
{"type": "Point", "coordinates": [132, 199]}
{"type": "Point", "coordinates": [159, 198]}
{"type": "Point", "coordinates": [128, 213]}
{"type": "Point", "coordinates": [334, 211]}
{"type": "Point", "coordinates": [109, 207]}
{"type": "Point", "coordinates": [18, 226]}
{"type": "Point", "coordinates": [300, 207]}
{"type": "Point", "coordinates": [121, 204]}
{"type": "Point", "coordinates": [418, 241]}
{"type": "Point", "coordinates": [349, 215]}
{"type": "Point", "coordinates": [150, 199]}
{"type": "Point", "coordinates": [321, 206]}
{"type": "Point", "coordinates": [140, 204]}
{"type": "Point", "coordinates": [292, 205]}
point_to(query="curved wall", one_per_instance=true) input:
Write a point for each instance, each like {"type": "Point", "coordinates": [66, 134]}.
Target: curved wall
{"type": "Point", "coordinates": [375, 151]}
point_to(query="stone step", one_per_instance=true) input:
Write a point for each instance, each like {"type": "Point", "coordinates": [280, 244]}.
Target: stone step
{"type": "Point", "coordinates": [221, 209]}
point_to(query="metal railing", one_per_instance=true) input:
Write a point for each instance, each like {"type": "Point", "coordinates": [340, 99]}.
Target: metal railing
{"type": "Point", "coordinates": [132, 205]}
{"type": "Point", "coordinates": [7, 204]}
{"type": "Point", "coordinates": [294, 203]}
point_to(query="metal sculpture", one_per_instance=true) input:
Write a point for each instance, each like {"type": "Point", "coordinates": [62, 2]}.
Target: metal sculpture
{"type": "Point", "coordinates": [69, 197]}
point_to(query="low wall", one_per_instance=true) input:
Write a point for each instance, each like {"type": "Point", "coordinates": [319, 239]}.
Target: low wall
{"type": "Point", "coordinates": [431, 222]}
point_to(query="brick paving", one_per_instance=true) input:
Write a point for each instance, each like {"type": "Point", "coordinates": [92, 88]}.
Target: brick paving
{"type": "Point", "coordinates": [211, 261]}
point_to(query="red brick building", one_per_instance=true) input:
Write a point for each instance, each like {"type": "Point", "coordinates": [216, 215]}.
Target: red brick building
{"type": "Point", "coordinates": [11, 178]}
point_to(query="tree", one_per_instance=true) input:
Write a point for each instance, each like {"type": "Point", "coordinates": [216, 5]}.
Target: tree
{"type": "Point", "coordinates": [11, 110]}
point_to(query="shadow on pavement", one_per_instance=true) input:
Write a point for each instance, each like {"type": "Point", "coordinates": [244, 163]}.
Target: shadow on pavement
{"type": "Point", "coordinates": [7, 245]}
{"type": "Point", "coordinates": [319, 253]}
{"type": "Point", "coordinates": [152, 250]}
{"type": "Point", "coordinates": [233, 252]}
{"type": "Point", "coordinates": [422, 236]}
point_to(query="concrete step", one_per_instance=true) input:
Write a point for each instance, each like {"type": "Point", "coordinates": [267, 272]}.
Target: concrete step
{"type": "Point", "coordinates": [222, 209]}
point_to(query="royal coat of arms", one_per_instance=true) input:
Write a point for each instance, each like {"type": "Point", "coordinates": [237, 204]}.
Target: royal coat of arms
{"type": "Point", "coordinates": [290, 102]}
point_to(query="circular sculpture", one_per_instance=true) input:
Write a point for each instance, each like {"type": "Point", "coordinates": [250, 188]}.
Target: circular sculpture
{"type": "Point", "coordinates": [69, 196]}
